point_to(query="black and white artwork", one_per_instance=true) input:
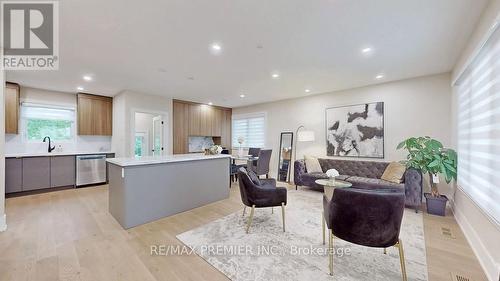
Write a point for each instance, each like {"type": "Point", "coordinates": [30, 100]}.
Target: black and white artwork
{"type": "Point", "coordinates": [355, 131]}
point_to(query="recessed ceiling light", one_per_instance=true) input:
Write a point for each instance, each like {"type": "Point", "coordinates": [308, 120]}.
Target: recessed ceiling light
{"type": "Point", "coordinates": [242, 96]}
{"type": "Point", "coordinates": [215, 48]}
{"type": "Point", "coordinates": [307, 90]}
{"type": "Point", "coordinates": [87, 78]}
{"type": "Point", "coordinates": [380, 76]}
{"type": "Point", "coordinates": [210, 103]}
{"type": "Point", "coordinates": [366, 50]}
{"type": "Point", "coordinates": [79, 88]}
{"type": "Point", "coordinates": [275, 75]}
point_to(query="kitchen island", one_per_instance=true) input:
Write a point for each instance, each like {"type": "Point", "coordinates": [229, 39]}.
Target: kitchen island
{"type": "Point", "coordinates": [145, 189]}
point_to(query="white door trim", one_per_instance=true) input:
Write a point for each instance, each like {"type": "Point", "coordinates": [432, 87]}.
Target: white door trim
{"type": "Point", "coordinates": [165, 135]}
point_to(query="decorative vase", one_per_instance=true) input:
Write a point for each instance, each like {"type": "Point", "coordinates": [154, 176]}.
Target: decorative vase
{"type": "Point", "coordinates": [240, 151]}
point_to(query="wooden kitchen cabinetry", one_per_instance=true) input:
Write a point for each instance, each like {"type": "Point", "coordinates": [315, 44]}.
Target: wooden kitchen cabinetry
{"type": "Point", "coordinates": [36, 173]}
{"type": "Point", "coordinates": [13, 175]}
{"type": "Point", "coordinates": [62, 171]}
{"type": "Point", "coordinates": [12, 93]}
{"type": "Point", "coordinates": [95, 115]}
{"type": "Point", "coordinates": [194, 119]}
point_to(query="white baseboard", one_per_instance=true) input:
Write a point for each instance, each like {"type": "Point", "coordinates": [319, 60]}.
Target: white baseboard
{"type": "Point", "coordinates": [3, 222]}
{"type": "Point", "coordinates": [486, 261]}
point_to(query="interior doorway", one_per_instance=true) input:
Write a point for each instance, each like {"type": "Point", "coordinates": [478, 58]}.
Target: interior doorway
{"type": "Point", "coordinates": [149, 130]}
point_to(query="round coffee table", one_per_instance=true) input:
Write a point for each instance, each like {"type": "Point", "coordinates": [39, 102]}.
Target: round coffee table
{"type": "Point", "coordinates": [330, 185]}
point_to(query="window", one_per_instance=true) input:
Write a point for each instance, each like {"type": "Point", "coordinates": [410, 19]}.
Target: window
{"type": "Point", "coordinates": [478, 128]}
{"type": "Point", "coordinates": [41, 120]}
{"type": "Point", "coordinates": [141, 142]}
{"type": "Point", "coordinates": [250, 129]}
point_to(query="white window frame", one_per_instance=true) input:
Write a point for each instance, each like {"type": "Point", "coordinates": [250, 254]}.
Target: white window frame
{"type": "Point", "coordinates": [246, 116]}
{"type": "Point", "coordinates": [24, 125]}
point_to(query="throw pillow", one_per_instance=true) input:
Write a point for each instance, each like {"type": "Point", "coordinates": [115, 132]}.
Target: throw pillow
{"type": "Point", "coordinates": [312, 164]}
{"type": "Point", "coordinates": [394, 172]}
{"type": "Point", "coordinates": [253, 177]}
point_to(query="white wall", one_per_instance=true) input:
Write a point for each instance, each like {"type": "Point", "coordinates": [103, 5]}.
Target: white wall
{"type": "Point", "coordinates": [17, 144]}
{"type": "Point", "coordinates": [3, 218]}
{"type": "Point", "coordinates": [482, 233]}
{"type": "Point", "coordinates": [413, 107]}
{"type": "Point", "coordinates": [124, 106]}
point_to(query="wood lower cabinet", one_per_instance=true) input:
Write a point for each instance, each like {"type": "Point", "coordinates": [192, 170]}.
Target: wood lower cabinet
{"type": "Point", "coordinates": [194, 119]}
{"type": "Point", "coordinates": [36, 173]}
{"type": "Point", "coordinates": [12, 93]}
{"type": "Point", "coordinates": [62, 171]}
{"type": "Point", "coordinates": [13, 175]}
{"type": "Point", "coordinates": [40, 172]}
{"type": "Point", "coordinates": [95, 115]}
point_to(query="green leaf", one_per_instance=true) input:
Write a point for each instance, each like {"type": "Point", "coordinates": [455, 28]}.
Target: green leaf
{"type": "Point", "coordinates": [434, 163]}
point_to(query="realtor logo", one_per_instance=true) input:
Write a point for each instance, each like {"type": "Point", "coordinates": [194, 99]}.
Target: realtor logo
{"type": "Point", "coordinates": [30, 33]}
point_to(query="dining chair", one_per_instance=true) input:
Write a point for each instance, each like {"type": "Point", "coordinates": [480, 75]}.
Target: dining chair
{"type": "Point", "coordinates": [254, 151]}
{"type": "Point", "coordinates": [262, 166]}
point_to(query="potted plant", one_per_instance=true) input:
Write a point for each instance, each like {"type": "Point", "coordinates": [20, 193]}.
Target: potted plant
{"type": "Point", "coordinates": [430, 157]}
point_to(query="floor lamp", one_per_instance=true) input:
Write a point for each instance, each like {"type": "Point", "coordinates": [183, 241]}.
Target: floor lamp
{"type": "Point", "coordinates": [302, 136]}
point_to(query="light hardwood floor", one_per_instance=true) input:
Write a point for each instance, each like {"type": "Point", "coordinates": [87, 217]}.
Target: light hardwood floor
{"type": "Point", "coordinates": [69, 235]}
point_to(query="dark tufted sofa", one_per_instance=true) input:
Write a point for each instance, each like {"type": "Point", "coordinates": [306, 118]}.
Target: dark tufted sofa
{"type": "Point", "coordinates": [363, 175]}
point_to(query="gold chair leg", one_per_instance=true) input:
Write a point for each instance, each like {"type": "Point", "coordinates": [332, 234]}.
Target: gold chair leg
{"type": "Point", "coordinates": [244, 209]}
{"type": "Point", "coordinates": [250, 218]}
{"type": "Point", "coordinates": [283, 214]}
{"type": "Point", "coordinates": [323, 226]}
{"type": "Point", "coordinates": [399, 245]}
{"type": "Point", "coordinates": [385, 251]}
{"type": "Point", "coordinates": [330, 251]}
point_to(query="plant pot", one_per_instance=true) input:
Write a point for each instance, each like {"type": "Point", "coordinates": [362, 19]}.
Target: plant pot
{"type": "Point", "coordinates": [436, 205]}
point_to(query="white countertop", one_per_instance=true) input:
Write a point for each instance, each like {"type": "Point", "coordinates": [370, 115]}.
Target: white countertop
{"type": "Point", "coordinates": [149, 160]}
{"type": "Point", "coordinates": [54, 153]}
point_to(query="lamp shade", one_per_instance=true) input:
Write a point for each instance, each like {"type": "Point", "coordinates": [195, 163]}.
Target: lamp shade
{"type": "Point", "coordinates": [305, 136]}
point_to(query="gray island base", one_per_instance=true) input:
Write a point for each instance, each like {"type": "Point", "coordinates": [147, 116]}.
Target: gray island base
{"type": "Point", "coordinates": [146, 189]}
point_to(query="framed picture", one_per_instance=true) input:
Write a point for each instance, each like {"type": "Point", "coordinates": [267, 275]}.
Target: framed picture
{"type": "Point", "coordinates": [355, 130]}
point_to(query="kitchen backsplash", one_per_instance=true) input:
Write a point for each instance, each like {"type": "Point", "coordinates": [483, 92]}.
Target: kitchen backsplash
{"type": "Point", "coordinates": [16, 144]}
{"type": "Point", "coordinates": [198, 144]}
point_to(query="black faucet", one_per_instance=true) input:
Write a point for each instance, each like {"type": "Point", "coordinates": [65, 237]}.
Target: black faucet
{"type": "Point", "coordinates": [50, 148]}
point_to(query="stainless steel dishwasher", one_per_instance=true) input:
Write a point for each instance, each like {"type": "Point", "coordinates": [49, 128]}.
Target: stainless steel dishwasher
{"type": "Point", "coordinates": [90, 169]}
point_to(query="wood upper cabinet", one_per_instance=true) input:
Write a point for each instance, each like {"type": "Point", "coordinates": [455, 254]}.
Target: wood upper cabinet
{"type": "Point", "coordinates": [207, 113]}
{"type": "Point", "coordinates": [217, 118]}
{"type": "Point", "coordinates": [12, 93]}
{"type": "Point", "coordinates": [180, 127]}
{"type": "Point", "coordinates": [226, 128]}
{"type": "Point", "coordinates": [95, 115]}
{"type": "Point", "coordinates": [193, 119]}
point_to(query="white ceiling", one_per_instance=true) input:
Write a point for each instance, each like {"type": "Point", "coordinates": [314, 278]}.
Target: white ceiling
{"type": "Point", "coordinates": [154, 46]}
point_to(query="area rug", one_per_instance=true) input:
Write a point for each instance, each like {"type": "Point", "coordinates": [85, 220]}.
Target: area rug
{"type": "Point", "coordinates": [268, 253]}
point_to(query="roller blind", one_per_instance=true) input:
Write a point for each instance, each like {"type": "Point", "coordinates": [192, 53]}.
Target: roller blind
{"type": "Point", "coordinates": [45, 112]}
{"type": "Point", "coordinates": [478, 128]}
{"type": "Point", "coordinates": [250, 128]}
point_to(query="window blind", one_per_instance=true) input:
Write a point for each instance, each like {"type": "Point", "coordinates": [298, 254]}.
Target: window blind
{"type": "Point", "coordinates": [478, 128]}
{"type": "Point", "coordinates": [249, 128]}
{"type": "Point", "coordinates": [45, 112]}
